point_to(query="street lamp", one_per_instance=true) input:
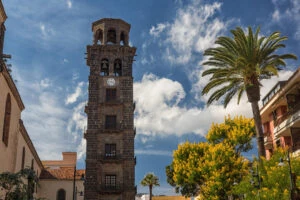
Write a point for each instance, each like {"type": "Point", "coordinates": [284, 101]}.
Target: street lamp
{"type": "Point", "coordinates": [74, 179]}
{"type": "Point", "coordinates": [256, 175]}
{"type": "Point", "coordinates": [75, 191]}
{"type": "Point", "coordinates": [281, 163]}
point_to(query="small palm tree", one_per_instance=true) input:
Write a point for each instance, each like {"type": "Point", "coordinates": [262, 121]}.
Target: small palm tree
{"type": "Point", "coordinates": [150, 180]}
{"type": "Point", "coordinates": [239, 64]}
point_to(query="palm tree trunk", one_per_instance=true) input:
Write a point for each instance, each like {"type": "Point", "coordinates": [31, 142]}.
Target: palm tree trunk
{"type": "Point", "coordinates": [259, 129]}
{"type": "Point", "coordinates": [150, 190]}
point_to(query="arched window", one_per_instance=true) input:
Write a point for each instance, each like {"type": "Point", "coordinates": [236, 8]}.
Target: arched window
{"type": "Point", "coordinates": [104, 67]}
{"type": "Point", "coordinates": [118, 67]}
{"type": "Point", "coordinates": [123, 39]}
{"type": "Point", "coordinates": [23, 158]}
{"type": "Point", "coordinates": [6, 123]}
{"type": "Point", "coordinates": [98, 37]}
{"type": "Point", "coordinates": [111, 36]}
{"type": "Point", "coordinates": [61, 194]}
{"type": "Point", "coordinates": [32, 164]}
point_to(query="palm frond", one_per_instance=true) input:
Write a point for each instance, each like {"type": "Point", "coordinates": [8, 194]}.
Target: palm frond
{"type": "Point", "coordinates": [243, 59]}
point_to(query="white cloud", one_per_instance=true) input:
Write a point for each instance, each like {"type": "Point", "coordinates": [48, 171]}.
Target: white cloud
{"type": "Point", "coordinates": [81, 149]}
{"type": "Point", "coordinates": [52, 126]}
{"type": "Point", "coordinates": [193, 30]}
{"type": "Point", "coordinates": [76, 127]}
{"type": "Point", "coordinates": [71, 98]}
{"type": "Point", "coordinates": [77, 121]}
{"type": "Point", "coordinates": [290, 14]}
{"type": "Point", "coordinates": [159, 112]}
{"type": "Point", "coordinates": [153, 152]}
{"type": "Point", "coordinates": [45, 83]}
{"type": "Point", "coordinates": [276, 15]}
{"type": "Point", "coordinates": [155, 31]}
{"type": "Point", "coordinates": [46, 31]}
{"type": "Point", "coordinates": [69, 3]}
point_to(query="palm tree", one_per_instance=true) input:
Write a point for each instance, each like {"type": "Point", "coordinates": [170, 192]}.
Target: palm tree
{"type": "Point", "coordinates": [238, 65]}
{"type": "Point", "coordinates": [150, 180]}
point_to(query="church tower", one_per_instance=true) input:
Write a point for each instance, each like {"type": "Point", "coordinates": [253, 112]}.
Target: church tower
{"type": "Point", "coordinates": [110, 160]}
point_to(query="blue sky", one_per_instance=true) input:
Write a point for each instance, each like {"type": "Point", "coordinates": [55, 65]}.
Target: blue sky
{"type": "Point", "coordinates": [47, 41]}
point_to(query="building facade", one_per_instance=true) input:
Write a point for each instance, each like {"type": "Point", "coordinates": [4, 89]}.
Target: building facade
{"type": "Point", "coordinates": [60, 180]}
{"type": "Point", "coordinates": [281, 116]}
{"type": "Point", "coordinates": [110, 160]}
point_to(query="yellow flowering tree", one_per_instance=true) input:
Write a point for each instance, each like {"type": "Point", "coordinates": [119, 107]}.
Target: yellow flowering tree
{"type": "Point", "coordinates": [210, 169]}
{"type": "Point", "coordinates": [268, 180]}
{"type": "Point", "coordinates": [237, 132]}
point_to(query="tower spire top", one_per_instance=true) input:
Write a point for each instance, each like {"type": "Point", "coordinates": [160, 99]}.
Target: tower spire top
{"type": "Point", "coordinates": [111, 31]}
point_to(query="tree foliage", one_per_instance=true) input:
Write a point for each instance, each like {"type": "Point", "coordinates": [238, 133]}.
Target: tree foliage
{"type": "Point", "coordinates": [209, 169]}
{"type": "Point", "coordinates": [238, 64]}
{"type": "Point", "coordinates": [18, 185]}
{"type": "Point", "coordinates": [236, 131]}
{"type": "Point", "coordinates": [150, 180]}
{"type": "Point", "coordinates": [267, 180]}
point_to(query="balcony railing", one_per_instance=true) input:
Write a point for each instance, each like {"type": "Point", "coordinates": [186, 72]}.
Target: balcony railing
{"type": "Point", "coordinates": [287, 120]}
{"type": "Point", "coordinates": [268, 139]}
{"type": "Point", "coordinates": [291, 112]}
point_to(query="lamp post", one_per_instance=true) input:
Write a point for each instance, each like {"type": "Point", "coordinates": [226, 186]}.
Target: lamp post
{"type": "Point", "coordinates": [281, 163]}
{"type": "Point", "coordinates": [258, 179]}
{"type": "Point", "coordinates": [74, 179]}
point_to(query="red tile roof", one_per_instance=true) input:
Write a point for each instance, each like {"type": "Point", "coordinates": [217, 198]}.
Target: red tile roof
{"type": "Point", "coordinates": [62, 173]}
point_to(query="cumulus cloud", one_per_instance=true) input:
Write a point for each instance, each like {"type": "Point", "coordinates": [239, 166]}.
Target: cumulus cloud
{"type": "Point", "coordinates": [193, 30]}
{"type": "Point", "coordinates": [159, 112]}
{"type": "Point", "coordinates": [158, 109]}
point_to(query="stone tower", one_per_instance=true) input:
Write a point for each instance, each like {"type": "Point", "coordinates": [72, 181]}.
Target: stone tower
{"type": "Point", "coordinates": [110, 160]}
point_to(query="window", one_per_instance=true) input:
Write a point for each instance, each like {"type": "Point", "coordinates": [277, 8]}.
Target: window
{"type": "Point", "coordinates": [111, 36]}
{"type": "Point", "coordinates": [278, 143]}
{"type": "Point", "coordinates": [110, 181]}
{"type": "Point", "coordinates": [110, 150]}
{"type": "Point", "coordinates": [111, 94]}
{"type": "Point", "coordinates": [32, 164]}
{"type": "Point", "coordinates": [110, 122]}
{"type": "Point", "coordinates": [98, 37]}
{"type": "Point", "coordinates": [61, 194]}
{"type": "Point", "coordinates": [6, 123]}
{"type": "Point", "coordinates": [104, 67]}
{"type": "Point", "coordinates": [118, 67]}
{"type": "Point", "coordinates": [123, 39]}
{"type": "Point", "coordinates": [274, 113]}
{"type": "Point", "coordinates": [23, 158]}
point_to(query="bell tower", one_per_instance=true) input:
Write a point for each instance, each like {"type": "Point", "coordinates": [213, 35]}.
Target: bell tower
{"type": "Point", "coordinates": [110, 160]}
